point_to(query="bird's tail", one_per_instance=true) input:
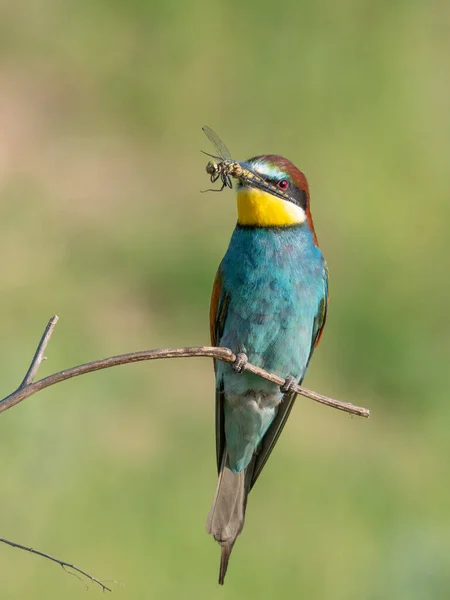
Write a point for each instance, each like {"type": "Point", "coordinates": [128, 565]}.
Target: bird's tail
{"type": "Point", "coordinates": [226, 517]}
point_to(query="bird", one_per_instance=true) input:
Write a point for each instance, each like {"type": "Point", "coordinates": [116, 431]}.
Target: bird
{"type": "Point", "coordinates": [269, 305]}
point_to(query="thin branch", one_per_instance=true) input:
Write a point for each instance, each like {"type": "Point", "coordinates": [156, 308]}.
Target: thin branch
{"type": "Point", "coordinates": [62, 563]}
{"type": "Point", "coordinates": [28, 387]}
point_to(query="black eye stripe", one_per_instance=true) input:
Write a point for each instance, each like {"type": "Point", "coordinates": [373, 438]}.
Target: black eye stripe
{"type": "Point", "coordinates": [296, 195]}
{"type": "Point", "coordinates": [299, 197]}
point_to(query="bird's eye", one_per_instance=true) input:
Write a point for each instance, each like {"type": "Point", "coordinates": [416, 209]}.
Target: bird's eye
{"type": "Point", "coordinates": [283, 184]}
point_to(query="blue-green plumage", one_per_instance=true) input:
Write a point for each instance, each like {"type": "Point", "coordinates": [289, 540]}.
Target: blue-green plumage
{"type": "Point", "coordinates": [273, 280]}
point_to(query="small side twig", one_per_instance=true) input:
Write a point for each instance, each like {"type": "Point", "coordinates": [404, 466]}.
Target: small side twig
{"type": "Point", "coordinates": [62, 563]}
{"type": "Point", "coordinates": [39, 354]}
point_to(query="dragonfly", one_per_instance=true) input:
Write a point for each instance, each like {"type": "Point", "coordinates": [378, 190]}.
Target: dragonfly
{"type": "Point", "coordinates": [224, 168]}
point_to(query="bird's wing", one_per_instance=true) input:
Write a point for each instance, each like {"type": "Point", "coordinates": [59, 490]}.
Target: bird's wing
{"type": "Point", "coordinates": [276, 427]}
{"type": "Point", "coordinates": [217, 316]}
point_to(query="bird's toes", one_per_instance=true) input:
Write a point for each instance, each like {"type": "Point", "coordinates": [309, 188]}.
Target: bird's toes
{"type": "Point", "coordinates": [288, 385]}
{"type": "Point", "coordinates": [240, 362]}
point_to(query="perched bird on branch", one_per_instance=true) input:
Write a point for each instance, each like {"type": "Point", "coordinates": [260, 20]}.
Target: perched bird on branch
{"type": "Point", "coordinates": [269, 305]}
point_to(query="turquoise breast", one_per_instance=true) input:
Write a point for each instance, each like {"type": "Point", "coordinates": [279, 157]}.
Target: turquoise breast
{"type": "Point", "coordinates": [274, 282]}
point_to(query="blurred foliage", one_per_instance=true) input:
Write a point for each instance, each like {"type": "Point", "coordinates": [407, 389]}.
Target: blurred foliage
{"type": "Point", "coordinates": [102, 222]}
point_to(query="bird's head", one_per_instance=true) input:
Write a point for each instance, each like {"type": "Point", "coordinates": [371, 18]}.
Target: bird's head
{"type": "Point", "coordinates": [278, 195]}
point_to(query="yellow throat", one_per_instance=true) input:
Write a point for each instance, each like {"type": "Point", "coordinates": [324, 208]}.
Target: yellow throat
{"type": "Point", "coordinates": [259, 208]}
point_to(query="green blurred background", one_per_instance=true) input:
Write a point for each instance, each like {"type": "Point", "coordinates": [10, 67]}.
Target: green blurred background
{"type": "Point", "coordinates": [102, 222]}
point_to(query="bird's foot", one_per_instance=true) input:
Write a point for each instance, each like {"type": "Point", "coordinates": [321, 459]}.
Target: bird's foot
{"type": "Point", "coordinates": [240, 362]}
{"type": "Point", "coordinates": [288, 385]}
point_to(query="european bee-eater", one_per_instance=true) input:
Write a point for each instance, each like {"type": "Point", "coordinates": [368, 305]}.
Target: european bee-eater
{"type": "Point", "coordinates": [269, 305]}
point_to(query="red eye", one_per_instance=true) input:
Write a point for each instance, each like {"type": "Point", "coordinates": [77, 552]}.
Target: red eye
{"type": "Point", "coordinates": [283, 184]}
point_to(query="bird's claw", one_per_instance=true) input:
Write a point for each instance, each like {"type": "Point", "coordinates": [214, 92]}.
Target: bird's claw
{"type": "Point", "coordinates": [240, 362]}
{"type": "Point", "coordinates": [288, 385]}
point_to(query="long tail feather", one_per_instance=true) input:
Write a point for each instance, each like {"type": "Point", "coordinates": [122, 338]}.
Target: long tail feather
{"type": "Point", "coordinates": [225, 548]}
{"type": "Point", "coordinates": [227, 514]}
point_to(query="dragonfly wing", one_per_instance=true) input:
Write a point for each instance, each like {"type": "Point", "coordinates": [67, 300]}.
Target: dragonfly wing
{"type": "Point", "coordinates": [222, 150]}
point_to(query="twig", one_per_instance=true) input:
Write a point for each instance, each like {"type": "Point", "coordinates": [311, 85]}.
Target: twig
{"type": "Point", "coordinates": [39, 354]}
{"type": "Point", "coordinates": [27, 388]}
{"type": "Point", "coordinates": [65, 565]}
